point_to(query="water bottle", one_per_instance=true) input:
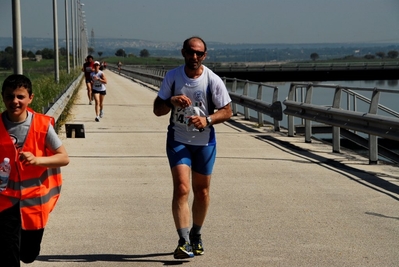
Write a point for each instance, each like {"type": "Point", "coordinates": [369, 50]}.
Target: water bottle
{"type": "Point", "coordinates": [5, 169]}
{"type": "Point", "coordinates": [188, 112]}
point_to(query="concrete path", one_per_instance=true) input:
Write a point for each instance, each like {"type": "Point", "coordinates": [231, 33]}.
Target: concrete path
{"type": "Point", "coordinates": [275, 201]}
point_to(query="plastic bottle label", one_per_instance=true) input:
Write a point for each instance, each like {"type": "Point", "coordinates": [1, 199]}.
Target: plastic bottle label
{"type": "Point", "coordinates": [188, 112]}
{"type": "Point", "coordinates": [4, 173]}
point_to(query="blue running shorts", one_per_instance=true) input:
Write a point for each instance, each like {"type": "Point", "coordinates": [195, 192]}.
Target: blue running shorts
{"type": "Point", "coordinates": [200, 158]}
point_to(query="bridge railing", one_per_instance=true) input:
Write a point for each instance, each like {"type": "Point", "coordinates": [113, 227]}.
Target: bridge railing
{"type": "Point", "coordinates": [298, 104]}
{"type": "Point", "coordinates": [304, 66]}
{"type": "Point", "coordinates": [337, 116]}
{"type": "Point", "coordinates": [274, 110]}
{"type": "Point", "coordinates": [56, 108]}
{"type": "Point", "coordinates": [153, 76]}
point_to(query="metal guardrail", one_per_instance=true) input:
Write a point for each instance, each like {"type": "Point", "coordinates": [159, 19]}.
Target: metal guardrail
{"type": "Point", "coordinates": [304, 66]}
{"type": "Point", "coordinates": [274, 110]}
{"type": "Point", "coordinates": [369, 123]}
{"type": "Point", "coordinates": [56, 109]}
{"type": "Point", "coordinates": [287, 66]}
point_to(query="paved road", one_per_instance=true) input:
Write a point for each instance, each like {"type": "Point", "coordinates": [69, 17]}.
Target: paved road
{"type": "Point", "coordinates": [275, 201]}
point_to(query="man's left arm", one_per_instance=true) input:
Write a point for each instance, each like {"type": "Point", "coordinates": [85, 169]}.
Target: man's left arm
{"type": "Point", "coordinates": [221, 115]}
{"type": "Point", "coordinates": [219, 97]}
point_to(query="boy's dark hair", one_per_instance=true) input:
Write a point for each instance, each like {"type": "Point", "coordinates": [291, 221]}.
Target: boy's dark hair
{"type": "Point", "coordinates": [187, 41]}
{"type": "Point", "coordinates": [89, 56]}
{"type": "Point", "coordinates": [15, 81]}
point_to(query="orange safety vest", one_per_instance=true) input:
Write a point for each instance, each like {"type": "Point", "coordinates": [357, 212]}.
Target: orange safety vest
{"type": "Point", "coordinates": [36, 188]}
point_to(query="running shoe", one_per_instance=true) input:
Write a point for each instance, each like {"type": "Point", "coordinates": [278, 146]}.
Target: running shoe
{"type": "Point", "coordinates": [101, 113]}
{"type": "Point", "coordinates": [196, 244]}
{"type": "Point", "coordinates": [90, 102]}
{"type": "Point", "coordinates": [183, 251]}
{"type": "Point", "coordinates": [97, 119]}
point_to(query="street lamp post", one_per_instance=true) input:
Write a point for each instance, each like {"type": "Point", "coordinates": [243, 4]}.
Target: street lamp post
{"type": "Point", "coordinates": [67, 37]}
{"type": "Point", "coordinates": [83, 49]}
{"type": "Point", "coordinates": [56, 57]}
{"type": "Point", "coordinates": [17, 43]}
{"type": "Point", "coordinates": [78, 7]}
{"type": "Point", "coordinates": [79, 31]}
{"type": "Point", "coordinates": [73, 32]}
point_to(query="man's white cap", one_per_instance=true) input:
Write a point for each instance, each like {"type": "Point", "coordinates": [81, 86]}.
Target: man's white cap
{"type": "Point", "coordinates": [96, 63]}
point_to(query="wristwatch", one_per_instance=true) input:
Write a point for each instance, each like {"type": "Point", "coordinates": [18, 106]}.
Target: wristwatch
{"type": "Point", "coordinates": [208, 120]}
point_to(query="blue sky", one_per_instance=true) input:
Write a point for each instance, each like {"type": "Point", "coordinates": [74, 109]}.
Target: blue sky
{"type": "Point", "coordinates": [230, 21]}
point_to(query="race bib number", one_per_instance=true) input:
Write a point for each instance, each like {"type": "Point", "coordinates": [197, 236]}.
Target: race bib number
{"type": "Point", "coordinates": [183, 115]}
{"type": "Point", "coordinates": [97, 84]}
{"type": "Point", "coordinates": [179, 116]}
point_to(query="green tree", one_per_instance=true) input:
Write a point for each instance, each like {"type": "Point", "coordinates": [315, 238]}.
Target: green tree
{"type": "Point", "coordinates": [380, 54]}
{"type": "Point", "coordinates": [9, 50]}
{"type": "Point", "coordinates": [90, 50]}
{"type": "Point", "coordinates": [120, 53]}
{"type": "Point", "coordinates": [30, 54]}
{"type": "Point", "coordinates": [393, 54]}
{"type": "Point", "coordinates": [314, 56]}
{"type": "Point", "coordinates": [62, 51]}
{"type": "Point", "coordinates": [6, 60]}
{"type": "Point", "coordinates": [144, 53]}
{"type": "Point", "coordinates": [48, 53]}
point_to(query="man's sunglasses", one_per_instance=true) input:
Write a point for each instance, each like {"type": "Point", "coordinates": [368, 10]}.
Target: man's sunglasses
{"type": "Point", "coordinates": [192, 52]}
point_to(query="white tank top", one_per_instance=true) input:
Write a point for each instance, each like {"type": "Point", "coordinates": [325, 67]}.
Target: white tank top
{"type": "Point", "coordinates": [97, 85]}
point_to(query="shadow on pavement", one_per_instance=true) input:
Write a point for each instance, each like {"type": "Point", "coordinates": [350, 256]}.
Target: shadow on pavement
{"type": "Point", "coordinates": [365, 178]}
{"type": "Point", "coordinates": [109, 258]}
{"type": "Point", "coordinates": [362, 177]}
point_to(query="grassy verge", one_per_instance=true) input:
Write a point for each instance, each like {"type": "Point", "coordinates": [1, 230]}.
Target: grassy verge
{"type": "Point", "coordinates": [46, 91]}
{"type": "Point", "coordinates": [63, 118]}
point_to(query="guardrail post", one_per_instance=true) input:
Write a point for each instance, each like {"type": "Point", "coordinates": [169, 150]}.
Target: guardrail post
{"type": "Point", "coordinates": [246, 110]}
{"type": "Point", "coordinates": [275, 99]}
{"type": "Point", "coordinates": [373, 149]}
{"type": "Point", "coordinates": [290, 118]}
{"type": "Point", "coordinates": [373, 140]}
{"type": "Point", "coordinates": [259, 97]}
{"type": "Point", "coordinates": [308, 123]}
{"type": "Point", "coordinates": [336, 134]}
{"type": "Point", "coordinates": [234, 89]}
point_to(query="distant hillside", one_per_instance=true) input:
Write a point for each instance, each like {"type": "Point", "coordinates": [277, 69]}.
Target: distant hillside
{"type": "Point", "coordinates": [220, 52]}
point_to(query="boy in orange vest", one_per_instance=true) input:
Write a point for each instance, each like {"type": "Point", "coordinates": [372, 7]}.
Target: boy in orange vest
{"type": "Point", "coordinates": [36, 154]}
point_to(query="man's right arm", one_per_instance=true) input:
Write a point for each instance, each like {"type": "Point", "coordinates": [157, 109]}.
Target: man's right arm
{"type": "Point", "coordinates": [160, 107]}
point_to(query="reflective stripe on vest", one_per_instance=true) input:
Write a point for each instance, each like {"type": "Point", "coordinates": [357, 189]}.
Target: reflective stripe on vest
{"type": "Point", "coordinates": [30, 202]}
{"type": "Point", "coordinates": [37, 188]}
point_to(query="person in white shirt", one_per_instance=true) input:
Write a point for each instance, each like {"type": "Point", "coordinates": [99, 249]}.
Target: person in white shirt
{"type": "Point", "coordinates": [197, 99]}
{"type": "Point", "coordinates": [98, 89]}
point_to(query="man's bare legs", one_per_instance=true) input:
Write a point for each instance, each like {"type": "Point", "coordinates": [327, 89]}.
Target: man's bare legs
{"type": "Point", "coordinates": [181, 191]}
{"type": "Point", "coordinates": [89, 93]}
{"type": "Point", "coordinates": [201, 187]}
{"type": "Point", "coordinates": [180, 206]}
